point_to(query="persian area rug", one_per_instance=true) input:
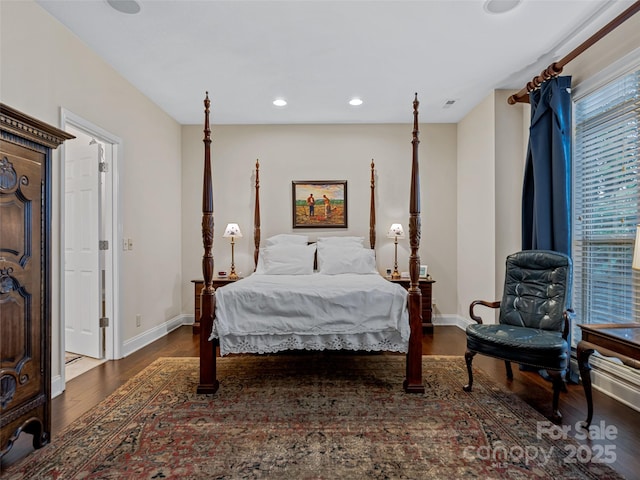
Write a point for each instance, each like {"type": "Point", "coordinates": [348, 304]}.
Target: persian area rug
{"type": "Point", "coordinates": [307, 416]}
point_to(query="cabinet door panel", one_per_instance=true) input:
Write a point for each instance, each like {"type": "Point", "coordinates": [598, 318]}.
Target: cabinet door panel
{"type": "Point", "coordinates": [20, 275]}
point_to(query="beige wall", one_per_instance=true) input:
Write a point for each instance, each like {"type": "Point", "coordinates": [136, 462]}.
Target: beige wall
{"type": "Point", "coordinates": [491, 154]}
{"type": "Point", "coordinates": [44, 68]}
{"type": "Point", "coordinates": [476, 206]}
{"type": "Point", "coordinates": [322, 152]}
{"type": "Point", "coordinates": [491, 157]}
{"type": "Point", "coordinates": [438, 247]}
{"type": "Point", "coordinates": [509, 167]}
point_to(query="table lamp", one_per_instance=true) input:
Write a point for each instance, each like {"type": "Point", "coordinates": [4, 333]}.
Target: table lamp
{"type": "Point", "coordinates": [232, 231]}
{"type": "Point", "coordinates": [396, 232]}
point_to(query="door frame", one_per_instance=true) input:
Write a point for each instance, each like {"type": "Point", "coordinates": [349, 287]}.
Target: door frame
{"type": "Point", "coordinates": [113, 227]}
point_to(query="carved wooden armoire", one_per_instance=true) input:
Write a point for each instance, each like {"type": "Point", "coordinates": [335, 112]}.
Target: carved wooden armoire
{"type": "Point", "coordinates": [25, 276]}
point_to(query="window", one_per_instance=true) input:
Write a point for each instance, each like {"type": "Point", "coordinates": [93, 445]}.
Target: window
{"type": "Point", "coordinates": [606, 196]}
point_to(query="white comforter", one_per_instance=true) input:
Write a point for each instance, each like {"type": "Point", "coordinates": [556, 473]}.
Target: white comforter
{"type": "Point", "coordinates": [271, 313]}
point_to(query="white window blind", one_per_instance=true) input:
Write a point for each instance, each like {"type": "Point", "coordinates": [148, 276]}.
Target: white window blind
{"type": "Point", "coordinates": [606, 199]}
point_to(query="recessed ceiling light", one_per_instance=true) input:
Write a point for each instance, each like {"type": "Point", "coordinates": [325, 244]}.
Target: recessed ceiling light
{"type": "Point", "coordinates": [355, 102]}
{"type": "Point", "coordinates": [130, 7]}
{"type": "Point", "coordinates": [279, 102]}
{"type": "Point", "coordinates": [500, 6]}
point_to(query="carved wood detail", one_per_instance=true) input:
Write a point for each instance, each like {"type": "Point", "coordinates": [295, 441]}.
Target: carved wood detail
{"type": "Point", "coordinates": [25, 275]}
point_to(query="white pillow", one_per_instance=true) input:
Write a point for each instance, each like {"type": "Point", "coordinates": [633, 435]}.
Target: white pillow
{"type": "Point", "coordinates": [337, 260]}
{"type": "Point", "coordinates": [337, 242]}
{"type": "Point", "coordinates": [287, 238]}
{"type": "Point", "coordinates": [289, 259]}
{"type": "Point", "coordinates": [341, 241]}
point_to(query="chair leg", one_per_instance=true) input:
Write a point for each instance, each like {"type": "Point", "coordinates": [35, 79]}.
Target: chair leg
{"type": "Point", "coordinates": [468, 357]}
{"type": "Point", "coordinates": [507, 364]}
{"type": "Point", "coordinates": [558, 386]}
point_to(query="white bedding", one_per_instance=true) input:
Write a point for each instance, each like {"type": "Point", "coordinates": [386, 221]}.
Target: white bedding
{"type": "Point", "coordinates": [272, 313]}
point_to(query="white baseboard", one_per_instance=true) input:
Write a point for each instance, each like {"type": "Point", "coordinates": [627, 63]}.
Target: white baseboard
{"type": "Point", "coordinates": [57, 387]}
{"type": "Point", "coordinates": [153, 334]}
{"type": "Point", "coordinates": [618, 381]}
{"type": "Point", "coordinates": [451, 320]}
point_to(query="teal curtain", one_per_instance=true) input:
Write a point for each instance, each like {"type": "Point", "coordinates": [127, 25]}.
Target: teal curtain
{"type": "Point", "coordinates": [546, 193]}
{"type": "Point", "coordinates": [546, 198]}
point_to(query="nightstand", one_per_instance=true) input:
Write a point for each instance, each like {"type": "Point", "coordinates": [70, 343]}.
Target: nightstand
{"type": "Point", "coordinates": [198, 285]}
{"type": "Point", "coordinates": [426, 290]}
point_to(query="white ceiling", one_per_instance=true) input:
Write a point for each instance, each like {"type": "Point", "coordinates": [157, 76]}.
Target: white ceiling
{"type": "Point", "coordinates": [317, 54]}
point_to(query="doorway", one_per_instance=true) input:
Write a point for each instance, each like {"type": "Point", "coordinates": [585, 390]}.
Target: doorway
{"type": "Point", "coordinates": [89, 231]}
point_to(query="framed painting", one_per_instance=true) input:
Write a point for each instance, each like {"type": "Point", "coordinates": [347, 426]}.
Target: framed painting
{"type": "Point", "coordinates": [319, 203]}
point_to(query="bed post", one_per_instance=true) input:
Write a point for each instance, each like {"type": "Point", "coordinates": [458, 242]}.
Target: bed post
{"type": "Point", "coordinates": [413, 381]}
{"type": "Point", "coordinates": [256, 218]}
{"type": "Point", "coordinates": [372, 209]}
{"type": "Point", "coordinates": [208, 381]}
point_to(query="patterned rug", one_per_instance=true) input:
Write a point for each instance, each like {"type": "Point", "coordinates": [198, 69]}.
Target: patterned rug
{"type": "Point", "coordinates": [315, 416]}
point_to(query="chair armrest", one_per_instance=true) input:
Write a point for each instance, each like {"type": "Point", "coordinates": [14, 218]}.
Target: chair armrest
{"type": "Point", "coordinates": [483, 303]}
{"type": "Point", "coordinates": [568, 315]}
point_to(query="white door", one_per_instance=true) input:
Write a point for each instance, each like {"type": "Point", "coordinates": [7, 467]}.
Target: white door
{"type": "Point", "coordinates": [82, 260]}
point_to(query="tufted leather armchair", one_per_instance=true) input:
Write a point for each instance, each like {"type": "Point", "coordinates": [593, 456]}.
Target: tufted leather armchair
{"type": "Point", "coordinates": [534, 319]}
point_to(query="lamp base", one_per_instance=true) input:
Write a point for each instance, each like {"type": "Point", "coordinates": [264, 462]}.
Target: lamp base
{"type": "Point", "coordinates": [233, 275]}
{"type": "Point", "coordinates": [395, 275]}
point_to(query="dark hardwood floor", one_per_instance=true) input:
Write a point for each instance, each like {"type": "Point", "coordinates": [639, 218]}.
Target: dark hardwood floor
{"type": "Point", "coordinates": [90, 388]}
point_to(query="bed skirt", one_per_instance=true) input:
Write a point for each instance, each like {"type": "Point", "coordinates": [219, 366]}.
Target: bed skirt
{"type": "Point", "coordinates": [368, 342]}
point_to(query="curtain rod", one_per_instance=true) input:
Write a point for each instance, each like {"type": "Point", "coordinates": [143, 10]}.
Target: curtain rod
{"type": "Point", "coordinates": [555, 68]}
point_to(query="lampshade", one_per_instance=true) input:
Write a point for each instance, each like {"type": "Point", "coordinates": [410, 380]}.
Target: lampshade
{"type": "Point", "coordinates": [636, 251]}
{"type": "Point", "coordinates": [396, 231]}
{"type": "Point", "coordinates": [232, 230]}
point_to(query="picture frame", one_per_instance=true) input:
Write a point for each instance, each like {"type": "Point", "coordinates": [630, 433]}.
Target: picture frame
{"type": "Point", "coordinates": [319, 203]}
{"type": "Point", "coordinates": [423, 271]}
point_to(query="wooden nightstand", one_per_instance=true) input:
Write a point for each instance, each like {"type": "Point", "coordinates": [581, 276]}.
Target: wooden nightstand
{"type": "Point", "coordinates": [198, 285]}
{"type": "Point", "coordinates": [426, 290]}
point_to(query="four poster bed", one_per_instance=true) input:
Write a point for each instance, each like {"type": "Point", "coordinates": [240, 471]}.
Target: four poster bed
{"type": "Point", "coordinates": [326, 295]}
